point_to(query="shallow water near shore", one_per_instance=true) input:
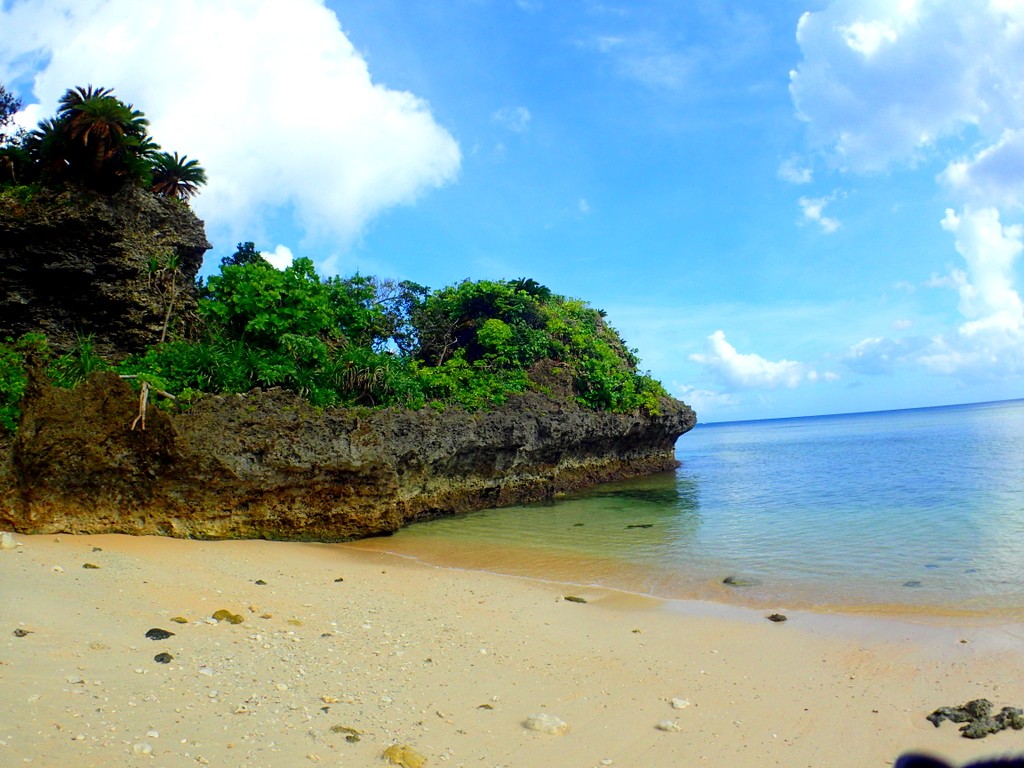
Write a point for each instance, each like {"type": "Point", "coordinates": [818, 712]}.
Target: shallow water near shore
{"type": "Point", "coordinates": [908, 512]}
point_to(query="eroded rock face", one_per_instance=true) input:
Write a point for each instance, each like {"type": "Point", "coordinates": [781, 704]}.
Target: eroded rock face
{"type": "Point", "coordinates": [76, 262]}
{"type": "Point", "coordinates": [270, 465]}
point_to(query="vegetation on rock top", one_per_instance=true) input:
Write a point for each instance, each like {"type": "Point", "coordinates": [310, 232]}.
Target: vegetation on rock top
{"type": "Point", "coordinates": [362, 341]}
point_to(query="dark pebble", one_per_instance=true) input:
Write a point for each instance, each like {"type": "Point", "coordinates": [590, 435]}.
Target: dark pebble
{"type": "Point", "coordinates": [261, 582]}
{"type": "Point", "coordinates": [776, 617]}
{"type": "Point", "coordinates": [640, 525]}
{"type": "Point", "coordinates": [739, 581]}
{"type": "Point", "coordinates": [97, 549]}
{"type": "Point", "coordinates": [19, 632]}
{"type": "Point", "coordinates": [912, 583]}
{"type": "Point", "coordinates": [574, 599]}
{"type": "Point", "coordinates": [158, 634]}
{"type": "Point", "coordinates": [163, 658]}
{"type": "Point", "coordinates": [91, 566]}
{"type": "Point", "coordinates": [338, 579]}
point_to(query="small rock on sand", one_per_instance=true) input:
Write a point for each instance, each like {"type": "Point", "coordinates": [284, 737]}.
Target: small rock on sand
{"type": "Point", "coordinates": [670, 726]}
{"type": "Point", "coordinates": [7, 541]}
{"type": "Point", "coordinates": [404, 755]}
{"type": "Point", "coordinates": [545, 723]}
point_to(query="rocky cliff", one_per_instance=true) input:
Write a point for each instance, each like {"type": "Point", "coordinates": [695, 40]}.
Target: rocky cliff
{"type": "Point", "coordinates": [75, 262]}
{"type": "Point", "coordinates": [267, 464]}
{"type": "Point", "coordinates": [264, 464]}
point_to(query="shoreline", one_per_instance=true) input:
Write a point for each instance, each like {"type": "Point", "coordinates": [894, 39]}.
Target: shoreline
{"type": "Point", "coordinates": [504, 560]}
{"type": "Point", "coordinates": [450, 662]}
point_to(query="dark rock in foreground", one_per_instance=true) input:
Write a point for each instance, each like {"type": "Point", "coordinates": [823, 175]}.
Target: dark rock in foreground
{"type": "Point", "coordinates": [269, 465]}
{"type": "Point", "coordinates": [980, 722]}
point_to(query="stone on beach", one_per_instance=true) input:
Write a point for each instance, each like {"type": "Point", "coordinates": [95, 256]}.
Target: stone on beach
{"type": "Point", "coordinates": [227, 616]}
{"type": "Point", "coordinates": [545, 723]}
{"type": "Point", "coordinates": [405, 756]}
{"type": "Point", "coordinates": [7, 541]}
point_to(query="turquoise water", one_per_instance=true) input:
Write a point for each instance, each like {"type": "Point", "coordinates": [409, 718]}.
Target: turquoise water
{"type": "Point", "coordinates": [919, 510]}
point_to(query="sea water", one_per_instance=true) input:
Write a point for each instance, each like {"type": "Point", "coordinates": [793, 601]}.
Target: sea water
{"type": "Point", "coordinates": [909, 511]}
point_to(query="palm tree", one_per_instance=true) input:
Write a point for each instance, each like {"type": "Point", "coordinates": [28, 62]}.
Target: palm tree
{"type": "Point", "coordinates": [175, 176]}
{"type": "Point", "coordinates": [104, 134]}
{"type": "Point", "coordinates": [102, 143]}
{"type": "Point", "coordinates": [75, 97]}
{"type": "Point", "coordinates": [95, 139]}
{"type": "Point", "coordinates": [48, 147]}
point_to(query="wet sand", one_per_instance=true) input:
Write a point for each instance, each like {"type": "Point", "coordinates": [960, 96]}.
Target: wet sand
{"type": "Point", "coordinates": [344, 652]}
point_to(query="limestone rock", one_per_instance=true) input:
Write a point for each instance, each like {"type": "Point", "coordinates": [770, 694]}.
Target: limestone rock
{"type": "Point", "coordinates": [545, 723]}
{"type": "Point", "coordinates": [269, 465]}
{"type": "Point", "coordinates": [74, 262]}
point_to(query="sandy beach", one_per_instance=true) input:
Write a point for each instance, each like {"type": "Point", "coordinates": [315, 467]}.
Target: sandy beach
{"type": "Point", "coordinates": [343, 653]}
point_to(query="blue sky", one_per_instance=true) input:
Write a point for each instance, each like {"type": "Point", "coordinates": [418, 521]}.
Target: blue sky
{"type": "Point", "coordinates": [788, 208]}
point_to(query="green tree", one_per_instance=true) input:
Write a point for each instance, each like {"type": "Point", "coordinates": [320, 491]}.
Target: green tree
{"type": "Point", "coordinates": [175, 176]}
{"type": "Point", "coordinates": [104, 141]}
{"type": "Point", "coordinates": [245, 253]}
{"type": "Point", "coordinates": [10, 105]}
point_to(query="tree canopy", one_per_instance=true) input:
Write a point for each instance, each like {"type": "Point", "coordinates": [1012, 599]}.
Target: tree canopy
{"type": "Point", "coordinates": [362, 341]}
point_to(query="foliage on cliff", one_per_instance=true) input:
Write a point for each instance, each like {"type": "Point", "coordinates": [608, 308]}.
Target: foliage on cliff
{"type": "Point", "coordinates": [362, 341]}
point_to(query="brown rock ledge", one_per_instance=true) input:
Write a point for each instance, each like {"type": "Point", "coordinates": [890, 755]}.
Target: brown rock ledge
{"type": "Point", "coordinates": [269, 465]}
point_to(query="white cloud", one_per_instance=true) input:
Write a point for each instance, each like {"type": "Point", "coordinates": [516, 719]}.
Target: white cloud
{"type": "Point", "coordinates": [647, 59]}
{"type": "Point", "coordinates": [887, 83]}
{"type": "Point", "coordinates": [704, 401]}
{"type": "Point", "coordinates": [884, 82]}
{"type": "Point", "coordinates": [884, 355]}
{"type": "Point", "coordinates": [867, 37]}
{"type": "Point", "coordinates": [990, 341]}
{"type": "Point", "coordinates": [987, 297]}
{"type": "Point", "coordinates": [515, 119]}
{"type": "Point", "coordinates": [750, 371]}
{"type": "Point", "coordinates": [269, 95]}
{"type": "Point", "coordinates": [795, 171]}
{"type": "Point", "coordinates": [993, 176]}
{"type": "Point", "coordinates": [281, 257]}
{"type": "Point", "coordinates": [814, 210]}
{"type": "Point", "coordinates": [583, 206]}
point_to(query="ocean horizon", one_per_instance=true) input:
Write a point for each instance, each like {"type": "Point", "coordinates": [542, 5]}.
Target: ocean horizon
{"type": "Point", "coordinates": [917, 510]}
